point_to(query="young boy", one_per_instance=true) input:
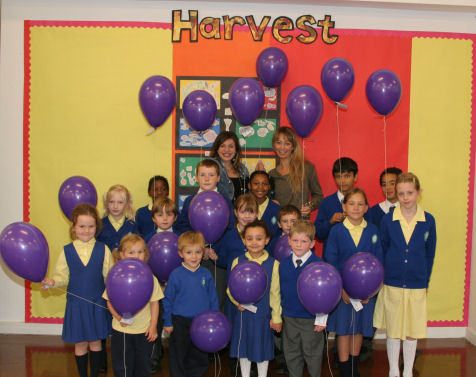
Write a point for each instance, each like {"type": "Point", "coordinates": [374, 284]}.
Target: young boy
{"type": "Point", "coordinates": [164, 214]}
{"type": "Point", "coordinates": [302, 340]}
{"type": "Point", "coordinates": [287, 216]}
{"type": "Point", "coordinates": [387, 180]}
{"type": "Point", "coordinates": [190, 291]}
{"type": "Point", "coordinates": [330, 212]}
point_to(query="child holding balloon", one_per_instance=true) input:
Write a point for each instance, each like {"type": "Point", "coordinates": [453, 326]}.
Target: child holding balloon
{"type": "Point", "coordinates": [347, 320]}
{"type": "Point", "coordinates": [86, 319]}
{"type": "Point", "coordinates": [409, 243]}
{"type": "Point", "coordinates": [190, 291]}
{"type": "Point", "coordinates": [252, 336]}
{"type": "Point", "coordinates": [131, 340]}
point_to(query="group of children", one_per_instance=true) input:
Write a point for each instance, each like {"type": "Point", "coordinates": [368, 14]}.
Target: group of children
{"type": "Point", "coordinates": [404, 240]}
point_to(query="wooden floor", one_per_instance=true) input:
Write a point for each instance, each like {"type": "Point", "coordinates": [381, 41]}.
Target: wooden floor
{"type": "Point", "coordinates": [48, 356]}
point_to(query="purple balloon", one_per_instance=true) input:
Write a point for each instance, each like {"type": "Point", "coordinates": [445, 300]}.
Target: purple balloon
{"type": "Point", "coordinates": [248, 282]}
{"type": "Point", "coordinates": [362, 275]}
{"type": "Point", "coordinates": [271, 66]}
{"type": "Point", "coordinates": [129, 286]}
{"type": "Point", "coordinates": [384, 91]}
{"type": "Point", "coordinates": [246, 100]}
{"type": "Point", "coordinates": [210, 331]}
{"type": "Point", "coordinates": [25, 251]}
{"type": "Point", "coordinates": [209, 214]}
{"type": "Point", "coordinates": [199, 109]}
{"type": "Point", "coordinates": [282, 249]}
{"type": "Point", "coordinates": [76, 190]}
{"type": "Point", "coordinates": [164, 256]}
{"type": "Point", "coordinates": [319, 287]}
{"type": "Point", "coordinates": [304, 109]}
{"type": "Point", "coordinates": [337, 78]}
{"type": "Point", "coordinates": [157, 99]}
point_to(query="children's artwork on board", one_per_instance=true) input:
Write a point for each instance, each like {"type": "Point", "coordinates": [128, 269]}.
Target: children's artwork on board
{"type": "Point", "coordinates": [180, 200]}
{"type": "Point", "coordinates": [259, 135]}
{"type": "Point", "coordinates": [211, 86]}
{"type": "Point", "coordinates": [186, 171]}
{"type": "Point", "coordinates": [191, 139]}
{"type": "Point", "coordinates": [251, 162]}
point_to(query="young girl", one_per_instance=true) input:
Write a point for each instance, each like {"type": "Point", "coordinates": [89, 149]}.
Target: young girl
{"type": "Point", "coordinates": [131, 343]}
{"type": "Point", "coordinates": [409, 242]}
{"type": "Point", "coordinates": [268, 210]}
{"type": "Point", "coordinates": [158, 187]}
{"type": "Point", "coordinates": [347, 238]}
{"type": "Point", "coordinates": [252, 337]}
{"type": "Point", "coordinates": [83, 266]}
{"type": "Point", "coordinates": [118, 215]}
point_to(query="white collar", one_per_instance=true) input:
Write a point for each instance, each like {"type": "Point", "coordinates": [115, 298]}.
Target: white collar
{"type": "Point", "coordinates": [386, 205]}
{"type": "Point", "coordinates": [304, 258]}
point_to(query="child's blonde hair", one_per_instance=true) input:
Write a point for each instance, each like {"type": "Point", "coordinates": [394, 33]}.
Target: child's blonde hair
{"type": "Point", "coordinates": [353, 191]}
{"type": "Point", "coordinates": [247, 202]}
{"type": "Point", "coordinates": [303, 227]}
{"type": "Point", "coordinates": [84, 209]}
{"type": "Point", "coordinates": [127, 241]}
{"type": "Point", "coordinates": [408, 178]}
{"type": "Point", "coordinates": [164, 204]}
{"type": "Point", "coordinates": [127, 197]}
{"type": "Point", "coordinates": [191, 238]}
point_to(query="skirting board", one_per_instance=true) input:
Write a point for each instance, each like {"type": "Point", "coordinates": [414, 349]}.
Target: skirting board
{"type": "Point", "coordinates": [471, 335]}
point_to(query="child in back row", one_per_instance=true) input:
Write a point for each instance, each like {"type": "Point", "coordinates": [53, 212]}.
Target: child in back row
{"type": "Point", "coordinates": [252, 333]}
{"type": "Point", "coordinates": [345, 239]}
{"type": "Point", "coordinates": [131, 343]}
{"type": "Point", "coordinates": [190, 291]}
{"type": "Point", "coordinates": [85, 260]}
{"type": "Point", "coordinates": [303, 342]}
{"type": "Point", "coordinates": [330, 212]}
{"type": "Point", "coordinates": [409, 243]}
{"type": "Point", "coordinates": [164, 214]}
{"type": "Point", "coordinates": [158, 188]}
{"type": "Point", "coordinates": [287, 217]}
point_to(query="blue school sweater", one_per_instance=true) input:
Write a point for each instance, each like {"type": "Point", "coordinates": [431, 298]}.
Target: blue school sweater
{"type": "Point", "coordinates": [330, 205]}
{"type": "Point", "coordinates": [144, 220]}
{"type": "Point", "coordinates": [111, 237]}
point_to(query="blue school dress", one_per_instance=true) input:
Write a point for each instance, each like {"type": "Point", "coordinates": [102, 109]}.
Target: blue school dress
{"type": "Point", "coordinates": [344, 320]}
{"type": "Point", "coordinates": [112, 237]}
{"type": "Point", "coordinates": [84, 321]}
{"type": "Point", "coordinates": [257, 342]}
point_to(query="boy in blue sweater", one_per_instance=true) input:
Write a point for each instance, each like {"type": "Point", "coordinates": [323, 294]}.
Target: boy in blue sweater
{"type": "Point", "coordinates": [303, 340]}
{"type": "Point", "coordinates": [330, 211]}
{"type": "Point", "coordinates": [190, 291]}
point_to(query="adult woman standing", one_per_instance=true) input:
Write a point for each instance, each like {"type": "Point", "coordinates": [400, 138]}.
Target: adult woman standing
{"type": "Point", "coordinates": [294, 179]}
{"type": "Point", "coordinates": [234, 176]}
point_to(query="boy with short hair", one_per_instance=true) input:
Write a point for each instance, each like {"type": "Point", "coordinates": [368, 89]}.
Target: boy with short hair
{"type": "Point", "coordinates": [164, 214]}
{"type": "Point", "coordinates": [345, 173]}
{"type": "Point", "coordinates": [287, 216]}
{"type": "Point", "coordinates": [303, 340]}
{"type": "Point", "coordinates": [190, 291]}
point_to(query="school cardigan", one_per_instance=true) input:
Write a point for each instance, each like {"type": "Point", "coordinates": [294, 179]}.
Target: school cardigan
{"type": "Point", "coordinates": [408, 266]}
{"type": "Point", "coordinates": [330, 205]}
{"type": "Point", "coordinates": [112, 237]}
{"type": "Point", "coordinates": [144, 220]}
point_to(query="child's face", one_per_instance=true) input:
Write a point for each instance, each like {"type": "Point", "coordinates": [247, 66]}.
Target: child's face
{"type": "Point", "coordinates": [116, 205]}
{"type": "Point", "coordinates": [388, 187]}
{"type": "Point", "coordinates": [300, 244]}
{"type": "Point", "coordinates": [85, 228]}
{"type": "Point", "coordinates": [164, 220]}
{"type": "Point", "coordinates": [283, 147]}
{"type": "Point", "coordinates": [255, 240]}
{"type": "Point", "coordinates": [244, 217]}
{"type": "Point", "coordinates": [158, 190]}
{"type": "Point", "coordinates": [192, 256]}
{"type": "Point", "coordinates": [345, 181]}
{"type": "Point", "coordinates": [408, 195]}
{"type": "Point", "coordinates": [259, 187]}
{"type": "Point", "coordinates": [227, 150]}
{"type": "Point", "coordinates": [207, 178]}
{"type": "Point", "coordinates": [355, 208]}
{"type": "Point", "coordinates": [287, 221]}
{"type": "Point", "coordinates": [136, 250]}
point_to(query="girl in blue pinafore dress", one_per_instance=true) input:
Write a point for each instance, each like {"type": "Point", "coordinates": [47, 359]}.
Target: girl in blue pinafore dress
{"type": "Point", "coordinates": [347, 238]}
{"type": "Point", "coordinates": [252, 336]}
{"type": "Point", "coordinates": [83, 267]}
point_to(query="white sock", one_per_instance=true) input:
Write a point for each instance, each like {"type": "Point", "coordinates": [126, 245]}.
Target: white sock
{"type": "Point", "coordinates": [409, 350]}
{"type": "Point", "coordinates": [245, 366]}
{"type": "Point", "coordinates": [262, 368]}
{"type": "Point", "coordinates": [393, 354]}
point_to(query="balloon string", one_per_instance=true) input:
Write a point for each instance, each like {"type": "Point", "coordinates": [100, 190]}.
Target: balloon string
{"type": "Point", "coordinates": [385, 153]}
{"type": "Point", "coordinates": [239, 343]}
{"type": "Point", "coordinates": [302, 178]}
{"type": "Point", "coordinates": [353, 339]}
{"type": "Point", "coordinates": [82, 298]}
{"type": "Point", "coordinates": [326, 336]}
{"type": "Point", "coordinates": [338, 147]}
{"type": "Point", "coordinates": [124, 353]}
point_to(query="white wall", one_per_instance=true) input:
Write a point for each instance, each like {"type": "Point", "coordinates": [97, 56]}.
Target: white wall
{"type": "Point", "coordinates": [14, 12]}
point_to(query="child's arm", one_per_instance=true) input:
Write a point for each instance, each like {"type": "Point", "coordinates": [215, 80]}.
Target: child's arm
{"type": "Point", "coordinates": [430, 246]}
{"type": "Point", "coordinates": [275, 299]}
{"type": "Point", "coordinates": [151, 332]}
{"type": "Point", "coordinates": [60, 276]}
{"type": "Point", "coordinates": [240, 308]}
{"type": "Point", "coordinates": [167, 303]}
{"type": "Point", "coordinates": [115, 314]}
{"type": "Point", "coordinates": [107, 263]}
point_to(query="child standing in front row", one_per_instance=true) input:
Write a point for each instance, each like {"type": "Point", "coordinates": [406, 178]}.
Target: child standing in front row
{"type": "Point", "coordinates": [303, 341]}
{"type": "Point", "coordinates": [190, 291]}
{"type": "Point", "coordinates": [347, 238]}
{"type": "Point", "coordinates": [409, 242]}
{"type": "Point", "coordinates": [83, 266]}
{"type": "Point", "coordinates": [131, 343]}
{"type": "Point", "coordinates": [252, 334]}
